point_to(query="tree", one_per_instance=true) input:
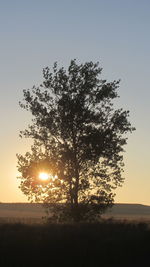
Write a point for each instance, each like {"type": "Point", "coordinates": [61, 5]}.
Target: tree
{"type": "Point", "coordinates": [78, 140]}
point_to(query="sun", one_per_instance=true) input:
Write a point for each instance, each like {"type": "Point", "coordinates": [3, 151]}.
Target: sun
{"type": "Point", "coordinates": [43, 176]}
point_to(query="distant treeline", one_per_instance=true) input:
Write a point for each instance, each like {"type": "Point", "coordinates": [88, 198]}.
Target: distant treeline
{"type": "Point", "coordinates": [129, 209]}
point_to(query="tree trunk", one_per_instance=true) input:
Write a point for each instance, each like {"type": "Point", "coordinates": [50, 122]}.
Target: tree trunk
{"type": "Point", "coordinates": [76, 173]}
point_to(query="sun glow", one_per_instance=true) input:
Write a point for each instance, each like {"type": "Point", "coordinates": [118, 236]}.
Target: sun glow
{"type": "Point", "coordinates": [43, 176]}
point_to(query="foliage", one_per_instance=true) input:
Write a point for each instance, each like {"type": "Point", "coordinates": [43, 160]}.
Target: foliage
{"type": "Point", "coordinates": [78, 138]}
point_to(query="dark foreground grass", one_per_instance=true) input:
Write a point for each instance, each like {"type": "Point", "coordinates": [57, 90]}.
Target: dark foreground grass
{"type": "Point", "coordinates": [103, 244]}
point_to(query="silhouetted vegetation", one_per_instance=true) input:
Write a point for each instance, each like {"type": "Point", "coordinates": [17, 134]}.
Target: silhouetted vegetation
{"type": "Point", "coordinates": [91, 245]}
{"type": "Point", "coordinates": [78, 138]}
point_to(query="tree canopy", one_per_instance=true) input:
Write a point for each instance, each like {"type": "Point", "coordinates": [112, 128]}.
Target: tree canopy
{"type": "Point", "coordinates": [78, 138]}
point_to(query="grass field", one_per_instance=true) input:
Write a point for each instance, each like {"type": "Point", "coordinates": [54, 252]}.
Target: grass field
{"type": "Point", "coordinates": [89, 245]}
{"type": "Point", "coordinates": [122, 238]}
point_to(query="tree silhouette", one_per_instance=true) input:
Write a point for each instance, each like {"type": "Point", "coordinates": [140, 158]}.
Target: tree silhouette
{"type": "Point", "coordinates": [78, 139]}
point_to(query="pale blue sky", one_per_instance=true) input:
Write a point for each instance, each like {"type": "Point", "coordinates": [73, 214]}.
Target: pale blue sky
{"type": "Point", "coordinates": [34, 34]}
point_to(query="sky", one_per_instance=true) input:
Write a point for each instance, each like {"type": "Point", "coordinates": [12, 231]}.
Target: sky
{"type": "Point", "coordinates": [36, 33]}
